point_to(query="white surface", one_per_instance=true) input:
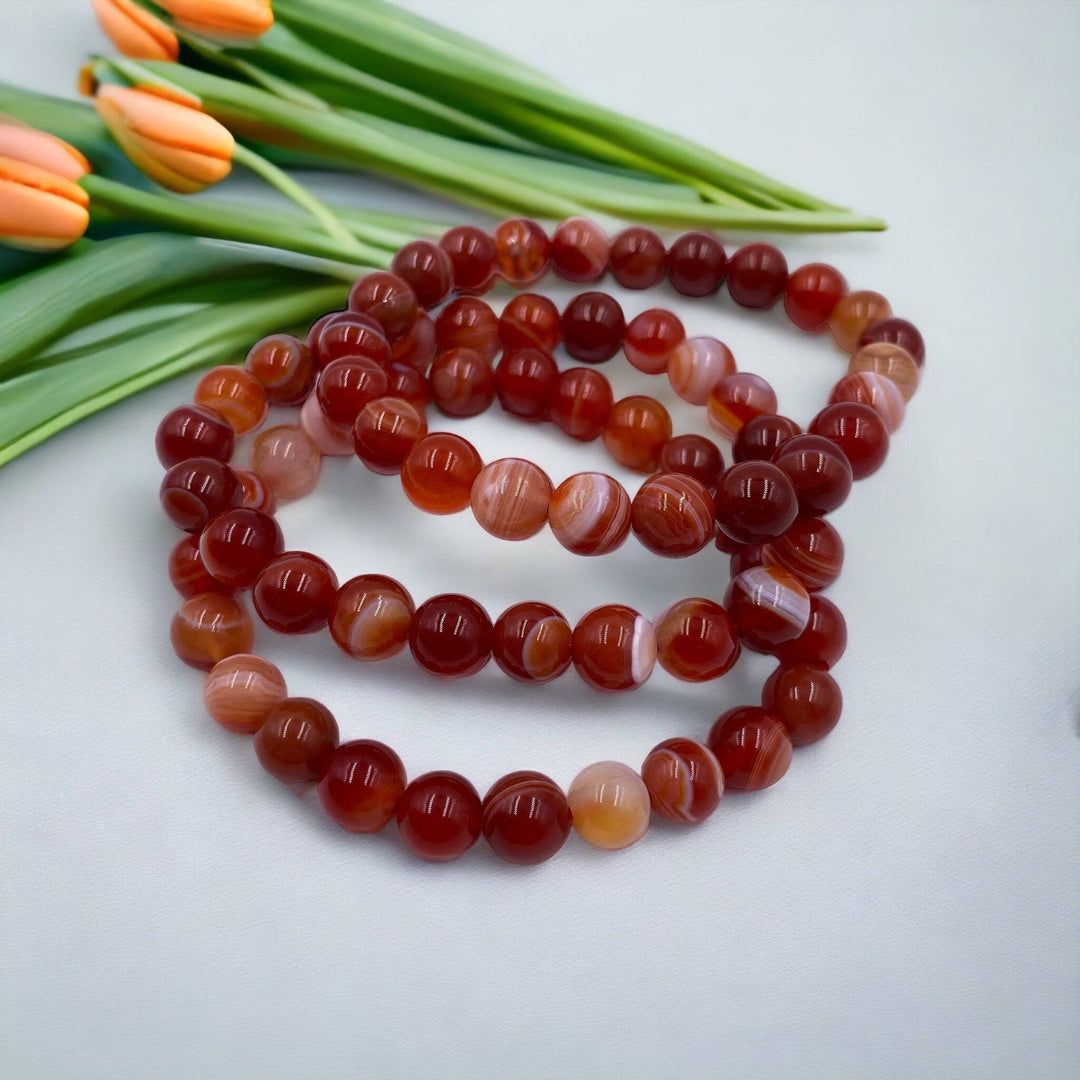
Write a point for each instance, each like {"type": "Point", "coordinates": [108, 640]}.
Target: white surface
{"type": "Point", "coordinates": [904, 903]}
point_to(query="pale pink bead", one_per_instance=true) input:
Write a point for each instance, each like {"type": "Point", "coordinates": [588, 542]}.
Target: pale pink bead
{"type": "Point", "coordinates": [697, 365]}
{"type": "Point", "coordinates": [510, 498]}
{"type": "Point", "coordinates": [609, 805]}
{"type": "Point", "coordinates": [880, 393]}
{"type": "Point", "coordinates": [332, 439]}
{"type": "Point", "coordinates": [241, 690]}
{"type": "Point", "coordinates": [288, 459]}
{"type": "Point", "coordinates": [892, 361]}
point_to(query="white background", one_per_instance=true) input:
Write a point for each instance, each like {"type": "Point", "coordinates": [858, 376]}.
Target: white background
{"type": "Point", "coordinates": [906, 902]}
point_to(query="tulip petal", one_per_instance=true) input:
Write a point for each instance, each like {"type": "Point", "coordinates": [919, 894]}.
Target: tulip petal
{"type": "Point", "coordinates": [42, 149]}
{"type": "Point", "coordinates": [228, 18]}
{"type": "Point", "coordinates": [33, 217]}
{"type": "Point", "coordinates": [165, 121]}
{"type": "Point", "coordinates": [135, 32]}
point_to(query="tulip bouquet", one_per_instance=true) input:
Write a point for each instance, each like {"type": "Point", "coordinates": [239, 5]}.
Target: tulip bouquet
{"type": "Point", "coordinates": [201, 86]}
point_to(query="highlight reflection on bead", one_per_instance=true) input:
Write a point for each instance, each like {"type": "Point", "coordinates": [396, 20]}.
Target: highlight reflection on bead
{"type": "Point", "coordinates": [609, 804]}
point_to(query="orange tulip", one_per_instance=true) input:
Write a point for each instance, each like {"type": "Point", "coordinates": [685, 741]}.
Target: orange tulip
{"type": "Point", "coordinates": [222, 18]}
{"type": "Point", "coordinates": [39, 209]}
{"type": "Point", "coordinates": [134, 31]}
{"type": "Point", "coordinates": [39, 148]}
{"type": "Point", "coordinates": [177, 145]}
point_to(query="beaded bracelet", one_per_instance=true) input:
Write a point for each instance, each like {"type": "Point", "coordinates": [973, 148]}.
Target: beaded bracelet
{"type": "Point", "coordinates": [363, 380]}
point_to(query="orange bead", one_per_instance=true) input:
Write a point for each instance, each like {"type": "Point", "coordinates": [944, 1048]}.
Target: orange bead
{"type": "Point", "coordinates": [370, 617]}
{"type": "Point", "coordinates": [209, 627]}
{"type": "Point", "coordinates": [241, 691]}
{"type": "Point", "coordinates": [439, 472]}
{"type": "Point", "coordinates": [636, 431]}
{"type": "Point", "coordinates": [609, 805]}
{"type": "Point", "coordinates": [234, 394]}
{"type": "Point", "coordinates": [284, 366]}
{"type": "Point", "coordinates": [892, 361]}
{"type": "Point", "coordinates": [510, 498]}
{"type": "Point", "coordinates": [737, 398]}
{"type": "Point", "coordinates": [853, 314]}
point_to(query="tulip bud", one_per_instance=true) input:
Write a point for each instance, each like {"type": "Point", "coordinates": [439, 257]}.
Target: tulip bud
{"type": "Point", "coordinates": [237, 19]}
{"type": "Point", "coordinates": [134, 31]}
{"type": "Point", "coordinates": [39, 148]}
{"type": "Point", "coordinates": [178, 146]}
{"type": "Point", "coordinates": [38, 209]}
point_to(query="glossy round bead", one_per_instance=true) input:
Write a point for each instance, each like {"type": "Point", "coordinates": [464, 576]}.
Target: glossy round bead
{"type": "Point", "coordinates": [589, 513]}
{"type": "Point", "coordinates": [525, 381]}
{"type": "Point", "coordinates": [208, 627]}
{"type": "Point", "coordinates": [805, 699]}
{"type": "Point", "coordinates": [531, 642]}
{"type": "Point", "coordinates": [288, 459]}
{"type": "Point", "coordinates": [891, 361]}
{"type": "Point", "coordinates": [738, 398]}
{"type": "Point", "coordinates": [696, 640]}
{"type": "Point", "coordinates": [462, 382]}
{"type": "Point", "coordinates": [361, 784]}
{"type": "Point", "coordinates": [757, 275]}
{"type": "Point", "coordinates": [613, 648]}
{"type": "Point", "coordinates": [858, 431]}
{"type": "Point", "coordinates": [752, 747]}
{"type": "Point", "coordinates": [192, 431]}
{"type": "Point", "coordinates": [238, 543]}
{"type": "Point", "coordinates": [894, 331]}
{"type": "Point", "coordinates": [672, 515]}
{"type": "Point", "coordinates": [385, 433]}
{"type": "Point", "coordinates": [257, 494]}
{"type": "Point", "coordinates": [609, 805]}
{"type": "Point", "coordinates": [760, 437]}
{"type": "Point", "coordinates": [582, 403]}
{"type": "Point", "coordinates": [346, 385]}
{"type": "Point", "coordinates": [294, 593]}
{"type": "Point", "coordinates": [426, 269]}
{"type": "Point", "coordinates": [593, 325]}
{"type": "Point", "coordinates": [522, 251]}
{"type": "Point", "coordinates": [198, 489]}
{"type": "Point", "coordinates": [755, 501]}
{"type": "Point", "coordinates": [408, 383]}
{"type": "Point", "coordinates": [744, 558]}
{"type": "Point", "coordinates": [242, 690]}
{"type": "Point", "coordinates": [696, 264]}
{"type": "Point", "coordinates": [811, 294]}
{"type": "Point", "coordinates": [818, 470]}
{"type": "Point", "coordinates": [693, 455]}
{"type": "Point", "coordinates": [439, 472]}
{"type": "Point", "coordinates": [388, 300]}
{"type": "Point", "coordinates": [637, 258]}
{"type": "Point", "coordinates": [525, 818]}
{"type": "Point", "coordinates": [468, 323]}
{"type": "Point", "coordinates": [529, 321]}
{"type": "Point", "coordinates": [370, 617]}
{"type": "Point", "coordinates": [880, 393]}
{"type": "Point", "coordinates": [696, 366]}
{"type": "Point", "coordinates": [853, 314]}
{"type": "Point", "coordinates": [822, 642]}
{"type": "Point", "coordinates": [472, 256]}
{"type": "Point", "coordinates": [768, 605]}
{"type": "Point", "coordinates": [650, 339]}
{"type": "Point", "coordinates": [450, 636]}
{"type": "Point", "coordinates": [332, 439]}
{"type": "Point", "coordinates": [636, 431]}
{"type": "Point", "coordinates": [510, 498]}
{"type": "Point", "coordinates": [811, 549]}
{"type": "Point", "coordinates": [438, 816]}
{"type": "Point", "coordinates": [349, 335]}
{"type": "Point", "coordinates": [186, 571]}
{"type": "Point", "coordinates": [684, 780]}
{"type": "Point", "coordinates": [417, 349]}
{"type": "Point", "coordinates": [296, 740]}
{"type": "Point", "coordinates": [580, 250]}
{"type": "Point", "coordinates": [234, 394]}
{"type": "Point", "coordinates": [285, 368]}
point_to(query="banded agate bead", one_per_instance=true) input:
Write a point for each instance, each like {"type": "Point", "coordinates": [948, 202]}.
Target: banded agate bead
{"type": "Point", "coordinates": [462, 382]}
{"type": "Point", "coordinates": [439, 815]}
{"type": "Point", "coordinates": [523, 250]}
{"type": "Point", "coordinates": [693, 455]}
{"type": "Point", "coordinates": [636, 431]}
{"type": "Point", "coordinates": [637, 258]}
{"type": "Point", "coordinates": [613, 648]}
{"type": "Point", "coordinates": [209, 627]}
{"type": "Point", "coordinates": [295, 592]}
{"type": "Point", "coordinates": [858, 431]}
{"type": "Point", "coordinates": [580, 250]}
{"type": "Point", "coordinates": [853, 313]}
{"type": "Point", "coordinates": [188, 574]}
{"type": "Point", "coordinates": [192, 431]}
{"type": "Point", "coordinates": [581, 403]}
{"type": "Point", "coordinates": [609, 805]}
{"type": "Point", "coordinates": [388, 300]}
{"type": "Point", "coordinates": [684, 780]}
{"type": "Point", "coordinates": [696, 264]}
{"type": "Point", "coordinates": [468, 323]}
{"type": "Point", "coordinates": [385, 433]}
{"type": "Point", "coordinates": [805, 699]}
{"type": "Point", "coordinates": [811, 549]}
{"type": "Point", "coordinates": [892, 361]}
{"type": "Point", "coordinates": [823, 641]}
{"type": "Point", "coordinates": [238, 543]}
{"type": "Point", "coordinates": [818, 470]}
{"type": "Point", "coordinates": [285, 368]}
{"type": "Point", "coordinates": [525, 381]}
{"type": "Point", "coordinates": [697, 365]}
{"type": "Point", "coordinates": [752, 747]}
{"type": "Point", "coordinates": [755, 501]}
{"type": "Point", "coordinates": [738, 398]}
{"type": "Point", "coordinates": [769, 606]}
{"type": "Point", "coordinates": [529, 321]}
{"type": "Point", "coordinates": [194, 491]}
{"type": "Point", "coordinates": [370, 617]}
{"type": "Point", "coordinates": [811, 294]}
{"type": "Point", "coordinates": [593, 325]}
{"type": "Point", "coordinates": [348, 335]}
{"type": "Point", "coordinates": [672, 515]}
{"type": "Point", "coordinates": [525, 818]}
{"type": "Point", "coordinates": [696, 640]}
{"type": "Point", "coordinates": [426, 269]}
{"type": "Point", "coordinates": [589, 513]}
{"type": "Point", "coordinates": [896, 331]}
{"type": "Point", "coordinates": [332, 439]}
{"type": "Point", "coordinates": [288, 460]}
{"type": "Point", "coordinates": [241, 691]}
{"type": "Point", "coordinates": [531, 642]}
{"type": "Point", "coordinates": [651, 338]}
{"type": "Point", "coordinates": [439, 472]}
{"type": "Point", "coordinates": [361, 784]}
{"type": "Point", "coordinates": [473, 257]}
{"type": "Point", "coordinates": [510, 498]}
{"type": "Point", "coordinates": [257, 493]}
{"type": "Point", "coordinates": [409, 384]}
{"type": "Point", "coordinates": [234, 394]}
{"type": "Point", "coordinates": [880, 393]}
{"type": "Point", "coordinates": [296, 740]}
{"type": "Point", "coordinates": [450, 636]}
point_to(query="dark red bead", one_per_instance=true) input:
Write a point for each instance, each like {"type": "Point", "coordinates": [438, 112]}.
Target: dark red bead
{"type": "Point", "coordinates": [192, 431]}
{"type": "Point", "coordinates": [450, 635]}
{"type": "Point", "coordinates": [693, 455]}
{"type": "Point", "coordinates": [468, 323]}
{"type": "Point", "coordinates": [580, 250]}
{"type": "Point", "coordinates": [725, 544]}
{"type": "Point", "coordinates": [752, 747]}
{"type": "Point", "coordinates": [896, 332]}
{"type": "Point", "coordinates": [347, 385]}
{"type": "Point", "coordinates": [744, 557]}
{"type": "Point", "coordinates": [427, 270]}
{"type": "Point", "coordinates": [651, 338]}
{"type": "Point", "coordinates": [755, 502]}
{"type": "Point", "coordinates": [404, 381]}
{"type": "Point", "coordinates": [592, 327]}
{"type": "Point", "coordinates": [582, 403]}
{"type": "Point", "coordinates": [819, 471]}
{"type": "Point", "coordinates": [238, 543]}
{"type": "Point", "coordinates": [858, 431]}
{"type": "Point", "coordinates": [637, 258]}
{"type": "Point", "coordinates": [388, 300]}
{"type": "Point", "coordinates": [529, 321]}
{"type": "Point", "coordinates": [757, 275]}
{"type": "Point", "coordinates": [822, 642]}
{"type": "Point", "coordinates": [462, 382]}
{"type": "Point", "coordinates": [761, 436]}
{"type": "Point", "coordinates": [187, 573]}
{"type": "Point", "coordinates": [525, 818]}
{"type": "Point", "coordinates": [522, 250]}
{"type": "Point", "coordinates": [696, 264]}
{"type": "Point", "coordinates": [296, 741]}
{"type": "Point", "coordinates": [285, 367]}
{"type": "Point", "coordinates": [361, 785]}
{"type": "Point", "coordinates": [348, 334]}
{"type": "Point", "coordinates": [525, 381]}
{"type": "Point", "coordinates": [810, 295]}
{"type": "Point", "coordinates": [805, 699]}
{"type": "Point", "coordinates": [294, 593]}
{"type": "Point", "coordinates": [196, 490]}
{"type": "Point", "coordinates": [473, 257]}
{"type": "Point", "coordinates": [438, 816]}
{"type": "Point", "coordinates": [418, 348]}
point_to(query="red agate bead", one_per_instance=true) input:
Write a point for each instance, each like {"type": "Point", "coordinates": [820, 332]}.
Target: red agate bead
{"type": "Point", "coordinates": [589, 513]}
{"type": "Point", "coordinates": [637, 258]}
{"type": "Point", "coordinates": [769, 606]}
{"type": "Point", "coordinates": [684, 780]}
{"type": "Point", "coordinates": [525, 381]}
{"type": "Point", "coordinates": [858, 431]}
{"type": "Point", "coordinates": [450, 636]}
{"type": "Point", "coordinates": [209, 627]}
{"type": "Point", "coordinates": [529, 321]}
{"type": "Point", "coordinates": [613, 648]}
{"type": "Point", "coordinates": [696, 264]}
{"type": "Point", "coordinates": [510, 498]}
{"type": "Point", "coordinates": [257, 493]}
{"type": "Point", "coordinates": [439, 815]}
{"type": "Point", "coordinates": [805, 699]}
{"type": "Point", "coordinates": [417, 350]}
{"type": "Point", "coordinates": [238, 543]}
{"type": "Point", "coordinates": [877, 391]}
{"type": "Point", "coordinates": [811, 294]}
{"type": "Point", "coordinates": [193, 431]}
{"type": "Point", "coordinates": [651, 338]}
{"type": "Point", "coordinates": [592, 327]}
{"type": "Point", "coordinates": [811, 549]}
{"type": "Point", "coordinates": [738, 398]}
{"type": "Point", "coordinates": [473, 257]}
{"type": "Point", "coordinates": [755, 501]}
{"type": "Point", "coordinates": [426, 269]}
{"type": "Point", "coordinates": [636, 431]}
{"type": "Point", "coordinates": [853, 313]}
{"type": "Point", "coordinates": [580, 250]}
{"type": "Point", "coordinates": [285, 368]}
{"type": "Point", "coordinates": [824, 639]}
{"type": "Point", "coordinates": [386, 431]}
{"type": "Point", "coordinates": [235, 395]}
{"type": "Point", "coordinates": [761, 437]}
{"type": "Point", "coordinates": [756, 275]}
{"type": "Point", "coordinates": [531, 642]}
{"type": "Point", "coordinates": [746, 556]}
{"type": "Point", "coordinates": [349, 334]}
{"type": "Point", "coordinates": [408, 383]}
{"type": "Point", "coordinates": [439, 471]}
{"type": "Point", "coordinates": [696, 640]}
{"type": "Point", "coordinates": [752, 747]}
{"type": "Point", "coordinates": [347, 385]}
{"type": "Point", "coordinates": [186, 571]}
{"type": "Point", "coordinates": [294, 593]}
{"type": "Point", "coordinates": [462, 382]}
{"type": "Point", "coordinates": [371, 616]}
{"type": "Point", "coordinates": [388, 300]}
{"type": "Point", "coordinates": [297, 740]}
{"type": "Point", "coordinates": [525, 818]}
{"type": "Point", "coordinates": [522, 250]}
{"type": "Point", "coordinates": [468, 323]}
{"type": "Point", "coordinates": [361, 784]}
{"type": "Point", "coordinates": [582, 403]}
{"type": "Point", "coordinates": [818, 470]}
{"type": "Point", "coordinates": [672, 515]}
{"type": "Point", "coordinates": [894, 331]}
{"type": "Point", "coordinates": [240, 691]}
{"type": "Point", "coordinates": [693, 455]}
{"type": "Point", "coordinates": [696, 366]}
{"type": "Point", "coordinates": [198, 489]}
